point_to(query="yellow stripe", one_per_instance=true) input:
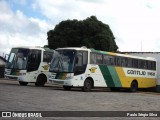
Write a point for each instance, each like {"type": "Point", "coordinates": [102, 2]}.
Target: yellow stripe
{"type": "Point", "coordinates": [64, 76]}
{"type": "Point", "coordinates": [110, 53]}
{"type": "Point", "coordinates": [125, 82]}
{"type": "Point", "coordinates": [142, 82]}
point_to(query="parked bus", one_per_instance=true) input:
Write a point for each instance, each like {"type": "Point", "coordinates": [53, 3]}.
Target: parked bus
{"type": "Point", "coordinates": [88, 68]}
{"type": "Point", "coordinates": [29, 65]}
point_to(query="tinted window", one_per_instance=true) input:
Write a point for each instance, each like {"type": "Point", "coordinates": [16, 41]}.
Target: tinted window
{"type": "Point", "coordinates": [118, 61]}
{"type": "Point", "coordinates": [34, 60]}
{"type": "Point", "coordinates": [47, 56]}
{"type": "Point", "coordinates": [135, 63]}
{"type": "Point", "coordinates": [129, 62]}
{"type": "Point", "coordinates": [99, 59]}
{"type": "Point", "coordinates": [124, 61]}
{"type": "Point", "coordinates": [81, 62]}
{"type": "Point", "coordinates": [93, 58]}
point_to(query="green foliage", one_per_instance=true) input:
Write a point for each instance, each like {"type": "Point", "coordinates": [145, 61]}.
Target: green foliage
{"type": "Point", "coordinates": [90, 32]}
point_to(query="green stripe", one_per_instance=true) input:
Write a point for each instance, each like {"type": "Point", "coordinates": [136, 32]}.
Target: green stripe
{"type": "Point", "coordinates": [107, 76]}
{"type": "Point", "coordinates": [115, 76]}
{"type": "Point", "coordinates": [110, 75]}
{"type": "Point", "coordinates": [98, 51]}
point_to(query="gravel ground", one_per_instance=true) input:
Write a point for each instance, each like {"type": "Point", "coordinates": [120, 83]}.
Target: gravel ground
{"type": "Point", "coordinates": [14, 97]}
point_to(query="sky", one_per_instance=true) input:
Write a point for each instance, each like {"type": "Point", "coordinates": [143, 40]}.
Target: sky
{"type": "Point", "coordinates": [134, 23]}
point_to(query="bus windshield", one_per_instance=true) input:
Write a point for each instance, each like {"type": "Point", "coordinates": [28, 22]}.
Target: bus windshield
{"type": "Point", "coordinates": [17, 58]}
{"type": "Point", "coordinates": [63, 61]}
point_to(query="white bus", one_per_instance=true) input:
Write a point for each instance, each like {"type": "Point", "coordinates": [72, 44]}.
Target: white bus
{"type": "Point", "coordinates": [29, 65]}
{"type": "Point", "coordinates": [88, 68]}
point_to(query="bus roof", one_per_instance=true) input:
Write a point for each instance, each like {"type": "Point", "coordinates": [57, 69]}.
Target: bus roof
{"type": "Point", "coordinates": [123, 55]}
{"type": "Point", "coordinates": [74, 48]}
{"type": "Point", "coordinates": [109, 53]}
{"type": "Point", "coordinates": [34, 47]}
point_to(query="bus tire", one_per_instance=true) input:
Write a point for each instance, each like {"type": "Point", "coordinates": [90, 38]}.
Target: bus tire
{"type": "Point", "coordinates": [87, 85]}
{"type": "Point", "coordinates": [67, 87]}
{"type": "Point", "coordinates": [41, 80]}
{"type": "Point", "coordinates": [23, 83]}
{"type": "Point", "coordinates": [134, 86]}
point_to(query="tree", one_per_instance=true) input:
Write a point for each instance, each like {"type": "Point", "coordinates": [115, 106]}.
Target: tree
{"type": "Point", "coordinates": [90, 32]}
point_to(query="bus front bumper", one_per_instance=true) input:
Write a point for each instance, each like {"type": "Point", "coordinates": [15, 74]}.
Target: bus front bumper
{"type": "Point", "coordinates": [19, 78]}
{"type": "Point", "coordinates": [61, 82]}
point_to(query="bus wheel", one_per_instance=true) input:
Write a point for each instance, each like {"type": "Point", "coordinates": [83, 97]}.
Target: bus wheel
{"type": "Point", "coordinates": [67, 87]}
{"type": "Point", "coordinates": [87, 85]}
{"type": "Point", "coordinates": [134, 86]}
{"type": "Point", "coordinates": [41, 80]}
{"type": "Point", "coordinates": [23, 83]}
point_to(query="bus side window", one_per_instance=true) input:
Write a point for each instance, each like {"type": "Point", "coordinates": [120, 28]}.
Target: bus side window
{"type": "Point", "coordinates": [126, 62]}
{"type": "Point", "coordinates": [106, 59]}
{"type": "Point", "coordinates": [135, 63]}
{"type": "Point", "coordinates": [47, 56]}
{"type": "Point", "coordinates": [118, 61]}
{"type": "Point", "coordinates": [140, 64]}
{"type": "Point", "coordinates": [149, 65]}
{"type": "Point", "coordinates": [99, 59]}
{"type": "Point", "coordinates": [85, 59]}
{"type": "Point", "coordinates": [152, 65]}
{"type": "Point", "coordinates": [34, 60]}
{"type": "Point", "coordinates": [144, 64]}
{"type": "Point", "coordinates": [81, 62]}
{"type": "Point", "coordinates": [111, 60]}
{"type": "Point", "coordinates": [129, 62]}
{"type": "Point", "coordinates": [93, 58]}
{"type": "Point", "coordinates": [123, 60]}
{"type": "Point", "coordinates": [79, 59]}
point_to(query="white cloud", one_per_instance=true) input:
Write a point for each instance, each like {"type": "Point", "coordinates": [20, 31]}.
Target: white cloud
{"type": "Point", "coordinates": [133, 22]}
{"type": "Point", "coordinates": [18, 30]}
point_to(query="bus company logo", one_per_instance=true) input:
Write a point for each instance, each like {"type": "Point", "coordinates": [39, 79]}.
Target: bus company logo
{"type": "Point", "coordinates": [6, 114]}
{"type": "Point", "coordinates": [93, 69]}
{"type": "Point", "coordinates": [45, 67]}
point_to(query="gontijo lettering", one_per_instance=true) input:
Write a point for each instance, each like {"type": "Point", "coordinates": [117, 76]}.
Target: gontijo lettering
{"type": "Point", "coordinates": [137, 72]}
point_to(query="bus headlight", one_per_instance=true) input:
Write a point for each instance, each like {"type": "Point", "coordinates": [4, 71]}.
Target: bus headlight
{"type": "Point", "coordinates": [69, 76]}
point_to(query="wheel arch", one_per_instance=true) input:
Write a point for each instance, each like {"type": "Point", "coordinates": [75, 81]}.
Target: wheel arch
{"type": "Point", "coordinates": [90, 78]}
{"type": "Point", "coordinates": [42, 74]}
{"type": "Point", "coordinates": [134, 86]}
{"type": "Point", "coordinates": [135, 80]}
